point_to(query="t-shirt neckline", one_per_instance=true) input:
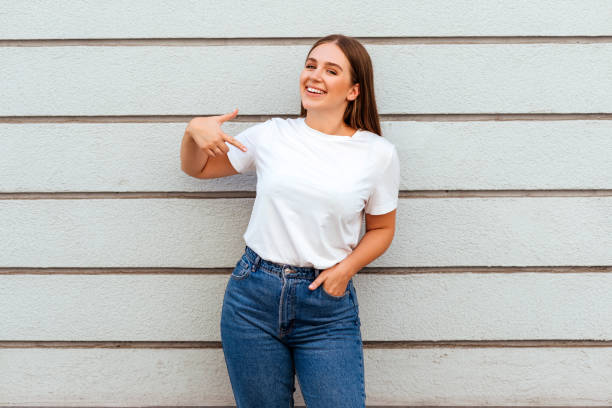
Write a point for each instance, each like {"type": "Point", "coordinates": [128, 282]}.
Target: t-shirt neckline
{"type": "Point", "coordinates": [327, 135]}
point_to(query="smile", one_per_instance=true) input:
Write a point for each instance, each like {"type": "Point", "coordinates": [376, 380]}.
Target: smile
{"type": "Point", "coordinates": [313, 93]}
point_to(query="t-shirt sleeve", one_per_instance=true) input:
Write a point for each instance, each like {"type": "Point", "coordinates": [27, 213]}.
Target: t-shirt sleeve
{"type": "Point", "coordinates": [385, 193]}
{"type": "Point", "coordinates": [242, 161]}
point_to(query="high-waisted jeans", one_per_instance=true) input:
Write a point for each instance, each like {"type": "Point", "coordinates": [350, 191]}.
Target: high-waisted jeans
{"type": "Point", "coordinates": [273, 326]}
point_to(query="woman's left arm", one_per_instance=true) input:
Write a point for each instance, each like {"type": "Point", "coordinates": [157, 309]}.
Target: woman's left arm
{"type": "Point", "coordinates": [379, 234]}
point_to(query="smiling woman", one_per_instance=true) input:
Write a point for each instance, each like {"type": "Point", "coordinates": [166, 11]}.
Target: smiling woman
{"type": "Point", "coordinates": [341, 68]}
{"type": "Point", "coordinates": [290, 305]}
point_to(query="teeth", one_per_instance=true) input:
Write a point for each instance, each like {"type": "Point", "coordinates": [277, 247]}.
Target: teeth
{"type": "Point", "coordinates": [314, 90]}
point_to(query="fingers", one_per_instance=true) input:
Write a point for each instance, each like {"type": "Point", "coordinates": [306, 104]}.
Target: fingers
{"type": "Point", "coordinates": [235, 142]}
{"type": "Point", "coordinates": [216, 150]}
{"type": "Point", "coordinates": [227, 116]}
{"type": "Point", "coordinates": [315, 283]}
{"type": "Point", "coordinates": [226, 137]}
{"type": "Point", "coordinates": [222, 148]}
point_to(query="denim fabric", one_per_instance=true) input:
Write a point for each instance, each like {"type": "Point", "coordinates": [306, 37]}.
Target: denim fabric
{"type": "Point", "coordinates": [273, 327]}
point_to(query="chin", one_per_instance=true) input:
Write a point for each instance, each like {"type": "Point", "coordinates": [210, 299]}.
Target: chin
{"type": "Point", "coordinates": [305, 104]}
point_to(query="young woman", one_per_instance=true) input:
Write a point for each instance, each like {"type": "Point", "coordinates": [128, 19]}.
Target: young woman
{"type": "Point", "coordinates": [290, 306]}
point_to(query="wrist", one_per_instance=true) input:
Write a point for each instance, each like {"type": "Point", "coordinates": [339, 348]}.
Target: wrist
{"type": "Point", "coordinates": [349, 267]}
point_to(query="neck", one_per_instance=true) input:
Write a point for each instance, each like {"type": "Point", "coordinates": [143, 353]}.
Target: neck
{"type": "Point", "coordinates": [326, 123]}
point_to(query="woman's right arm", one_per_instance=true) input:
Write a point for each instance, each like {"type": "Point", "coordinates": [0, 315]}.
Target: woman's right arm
{"type": "Point", "coordinates": [204, 142]}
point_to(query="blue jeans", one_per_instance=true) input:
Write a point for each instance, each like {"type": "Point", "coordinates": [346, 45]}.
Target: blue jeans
{"type": "Point", "coordinates": [273, 326]}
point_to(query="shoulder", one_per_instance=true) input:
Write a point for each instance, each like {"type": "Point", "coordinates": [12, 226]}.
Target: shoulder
{"type": "Point", "coordinates": [271, 123]}
{"type": "Point", "coordinates": [277, 120]}
{"type": "Point", "coordinates": [256, 130]}
{"type": "Point", "coordinates": [282, 122]}
{"type": "Point", "coordinates": [284, 126]}
{"type": "Point", "coordinates": [269, 128]}
{"type": "Point", "coordinates": [381, 146]}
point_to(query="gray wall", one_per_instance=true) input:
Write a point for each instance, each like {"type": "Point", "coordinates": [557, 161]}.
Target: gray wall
{"type": "Point", "coordinates": [113, 262]}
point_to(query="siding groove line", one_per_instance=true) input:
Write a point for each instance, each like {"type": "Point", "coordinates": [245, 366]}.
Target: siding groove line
{"type": "Point", "coordinates": [279, 41]}
{"type": "Point", "coordinates": [370, 344]}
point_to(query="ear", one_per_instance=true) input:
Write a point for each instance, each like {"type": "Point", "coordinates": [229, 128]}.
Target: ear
{"type": "Point", "coordinates": [353, 93]}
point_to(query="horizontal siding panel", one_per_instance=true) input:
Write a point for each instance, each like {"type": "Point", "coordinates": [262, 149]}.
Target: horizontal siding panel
{"type": "Point", "coordinates": [202, 80]}
{"type": "Point", "coordinates": [188, 19]}
{"type": "Point", "coordinates": [505, 231]}
{"type": "Point", "coordinates": [434, 156]}
{"type": "Point", "coordinates": [492, 306]}
{"type": "Point", "coordinates": [438, 376]}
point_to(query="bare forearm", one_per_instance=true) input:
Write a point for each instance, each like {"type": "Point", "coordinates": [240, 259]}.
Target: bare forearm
{"type": "Point", "coordinates": [372, 245]}
{"type": "Point", "coordinates": [193, 159]}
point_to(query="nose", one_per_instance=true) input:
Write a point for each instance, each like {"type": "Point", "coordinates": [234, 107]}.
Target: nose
{"type": "Point", "coordinates": [316, 74]}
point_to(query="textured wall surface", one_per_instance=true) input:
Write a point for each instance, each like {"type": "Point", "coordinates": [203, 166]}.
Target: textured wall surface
{"type": "Point", "coordinates": [113, 262]}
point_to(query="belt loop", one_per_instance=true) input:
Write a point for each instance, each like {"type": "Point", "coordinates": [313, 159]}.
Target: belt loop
{"type": "Point", "coordinates": [316, 274]}
{"type": "Point", "coordinates": [257, 262]}
{"type": "Point", "coordinates": [257, 259]}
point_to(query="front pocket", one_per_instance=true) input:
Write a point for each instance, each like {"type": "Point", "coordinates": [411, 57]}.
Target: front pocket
{"type": "Point", "coordinates": [354, 295]}
{"type": "Point", "coordinates": [242, 269]}
{"type": "Point", "coordinates": [332, 296]}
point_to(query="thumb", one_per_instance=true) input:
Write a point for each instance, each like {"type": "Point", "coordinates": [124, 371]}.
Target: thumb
{"type": "Point", "coordinates": [228, 116]}
{"type": "Point", "coordinates": [315, 283]}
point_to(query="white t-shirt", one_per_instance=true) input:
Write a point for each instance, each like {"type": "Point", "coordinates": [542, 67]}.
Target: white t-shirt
{"type": "Point", "coordinates": [312, 189]}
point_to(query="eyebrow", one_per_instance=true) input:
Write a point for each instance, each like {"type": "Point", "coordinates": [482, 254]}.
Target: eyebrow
{"type": "Point", "coordinates": [327, 62]}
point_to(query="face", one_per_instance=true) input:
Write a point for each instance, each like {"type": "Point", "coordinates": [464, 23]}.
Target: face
{"type": "Point", "coordinates": [334, 80]}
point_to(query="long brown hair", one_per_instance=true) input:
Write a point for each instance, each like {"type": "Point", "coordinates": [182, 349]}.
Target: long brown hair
{"type": "Point", "coordinates": [360, 113]}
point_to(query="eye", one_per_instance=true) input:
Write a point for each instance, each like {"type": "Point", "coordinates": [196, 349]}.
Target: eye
{"type": "Point", "coordinates": [329, 70]}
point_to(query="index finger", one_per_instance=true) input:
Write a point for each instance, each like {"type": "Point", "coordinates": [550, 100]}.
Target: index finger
{"type": "Point", "coordinates": [235, 142]}
{"type": "Point", "coordinates": [227, 116]}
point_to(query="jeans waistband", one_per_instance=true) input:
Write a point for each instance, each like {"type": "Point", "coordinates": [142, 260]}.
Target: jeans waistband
{"type": "Point", "coordinates": [278, 268]}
